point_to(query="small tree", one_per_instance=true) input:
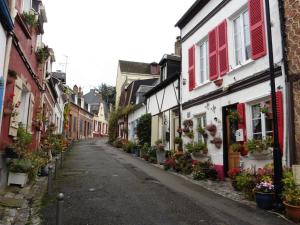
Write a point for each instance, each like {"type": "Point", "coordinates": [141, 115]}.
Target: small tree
{"type": "Point", "coordinates": [144, 129]}
{"type": "Point", "coordinates": [113, 125]}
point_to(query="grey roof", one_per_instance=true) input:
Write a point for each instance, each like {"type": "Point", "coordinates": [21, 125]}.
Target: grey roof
{"type": "Point", "coordinates": [144, 89]}
{"type": "Point", "coordinates": [60, 75]}
{"type": "Point", "coordinates": [135, 67]}
{"type": "Point", "coordinates": [93, 97]}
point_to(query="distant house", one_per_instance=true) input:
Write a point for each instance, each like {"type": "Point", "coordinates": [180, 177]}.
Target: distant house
{"type": "Point", "coordinates": [80, 117]}
{"type": "Point", "coordinates": [130, 71]}
{"type": "Point", "coordinates": [100, 110]}
{"type": "Point", "coordinates": [163, 102]}
{"type": "Point", "coordinates": [132, 95]}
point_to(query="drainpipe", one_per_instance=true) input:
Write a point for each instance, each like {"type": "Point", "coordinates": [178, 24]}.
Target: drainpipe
{"type": "Point", "coordinates": [7, 55]}
{"type": "Point", "coordinates": [289, 90]}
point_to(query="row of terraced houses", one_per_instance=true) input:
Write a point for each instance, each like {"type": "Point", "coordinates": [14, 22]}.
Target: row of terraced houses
{"type": "Point", "coordinates": [30, 92]}
{"type": "Point", "coordinates": [218, 79]}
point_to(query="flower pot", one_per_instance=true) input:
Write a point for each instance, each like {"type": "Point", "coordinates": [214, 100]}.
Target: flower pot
{"type": "Point", "coordinates": [160, 156]}
{"type": "Point", "coordinates": [292, 212]}
{"type": "Point", "coordinates": [17, 178]}
{"type": "Point", "coordinates": [263, 155]}
{"type": "Point", "coordinates": [7, 111]}
{"type": "Point", "coordinates": [264, 200]}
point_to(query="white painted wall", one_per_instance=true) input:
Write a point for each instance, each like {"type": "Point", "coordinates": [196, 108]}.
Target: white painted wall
{"type": "Point", "coordinates": [168, 99]}
{"type": "Point", "coordinates": [132, 121]}
{"type": "Point", "coordinates": [59, 110]}
{"type": "Point", "coordinates": [2, 48]}
{"type": "Point", "coordinates": [235, 74]}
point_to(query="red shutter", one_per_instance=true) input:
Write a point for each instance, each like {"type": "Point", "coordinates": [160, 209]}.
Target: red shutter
{"type": "Point", "coordinates": [213, 54]}
{"type": "Point", "coordinates": [223, 48]}
{"type": "Point", "coordinates": [242, 119]}
{"type": "Point", "coordinates": [191, 68]}
{"type": "Point", "coordinates": [280, 122]}
{"type": "Point", "coordinates": [257, 28]}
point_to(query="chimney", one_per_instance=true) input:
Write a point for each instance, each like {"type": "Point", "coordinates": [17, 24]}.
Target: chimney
{"type": "Point", "coordinates": [75, 89]}
{"type": "Point", "coordinates": [82, 103]}
{"type": "Point", "coordinates": [178, 46]}
{"type": "Point", "coordinates": [154, 68]}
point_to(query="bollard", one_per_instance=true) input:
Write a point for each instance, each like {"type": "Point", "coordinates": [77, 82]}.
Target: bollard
{"type": "Point", "coordinates": [49, 189]}
{"type": "Point", "coordinates": [56, 168]}
{"type": "Point", "coordinates": [59, 208]}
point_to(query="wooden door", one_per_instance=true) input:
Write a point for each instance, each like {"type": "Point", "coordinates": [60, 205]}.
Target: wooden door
{"type": "Point", "coordinates": [233, 157]}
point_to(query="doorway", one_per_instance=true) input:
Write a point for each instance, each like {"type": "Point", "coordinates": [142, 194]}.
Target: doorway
{"type": "Point", "coordinates": [230, 126]}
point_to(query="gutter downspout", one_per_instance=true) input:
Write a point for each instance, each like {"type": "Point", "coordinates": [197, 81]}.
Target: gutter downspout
{"type": "Point", "coordinates": [290, 139]}
{"type": "Point", "coordinates": [7, 54]}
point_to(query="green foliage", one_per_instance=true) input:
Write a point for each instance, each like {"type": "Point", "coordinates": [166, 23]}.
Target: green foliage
{"type": "Point", "coordinates": [21, 144]}
{"type": "Point", "coordinates": [113, 125]}
{"type": "Point", "coordinates": [291, 193]}
{"type": "Point", "coordinates": [233, 116]}
{"type": "Point", "coordinates": [254, 145]}
{"type": "Point", "coordinates": [30, 19]}
{"type": "Point", "coordinates": [246, 182]}
{"type": "Point", "coordinates": [128, 147]}
{"type": "Point", "coordinates": [108, 93]}
{"type": "Point", "coordinates": [118, 143]}
{"type": "Point", "coordinates": [178, 140]}
{"type": "Point", "coordinates": [196, 147]}
{"type": "Point", "coordinates": [42, 54]}
{"type": "Point", "coordinates": [204, 170]}
{"type": "Point", "coordinates": [236, 147]}
{"type": "Point", "coordinates": [19, 165]}
{"type": "Point", "coordinates": [145, 150]}
{"type": "Point", "coordinates": [183, 163]}
{"type": "Point", "coordinates": [144, 129]}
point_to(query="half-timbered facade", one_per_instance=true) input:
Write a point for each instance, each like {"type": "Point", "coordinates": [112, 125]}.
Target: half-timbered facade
{"type": "Point", "coordinates": [225, 78]}
{"type": "Point", "coordinates": [163, 101]}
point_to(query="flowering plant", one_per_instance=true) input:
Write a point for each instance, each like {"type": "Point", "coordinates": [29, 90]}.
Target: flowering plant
{"type": "Point", "coordinates": [265, 187]}
{"type": "Point", "coordinates": [233, 172]}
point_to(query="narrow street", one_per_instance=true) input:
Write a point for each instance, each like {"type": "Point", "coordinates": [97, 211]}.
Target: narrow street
{"type": "Point", "coordinates": [104, 186]}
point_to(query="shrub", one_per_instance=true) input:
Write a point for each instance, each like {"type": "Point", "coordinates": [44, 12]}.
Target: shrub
{"type": "Point", "coordinates": [128, 147]}
{"type": "Point", "coordinates": [145, 151]}
{"type": "Point", "coordinates": [143, 129]}
{"type": "Point", "coordinates": [19, 165]}
{"type": "Point", "coordinates": [204, 170]}
{"type": "Point", "coordinates": [118, 143]}
{"type": "Point", "coordinates": [246, 182]}
{"type": "Point", "coordinates": [183, 163]}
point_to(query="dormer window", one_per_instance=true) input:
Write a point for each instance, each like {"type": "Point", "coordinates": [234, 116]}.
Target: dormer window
{"type": "Point", "coordinates": [164, 73]}
{"type": "Point", "coordinates": [27, 5]}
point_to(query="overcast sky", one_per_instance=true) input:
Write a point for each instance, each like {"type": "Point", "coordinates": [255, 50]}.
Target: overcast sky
{"type": "Point", "coordinates": [95, 34]}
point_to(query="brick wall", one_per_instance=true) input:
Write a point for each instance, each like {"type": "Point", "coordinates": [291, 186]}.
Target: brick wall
{"type": "Point", "coordinates": [292, 18]}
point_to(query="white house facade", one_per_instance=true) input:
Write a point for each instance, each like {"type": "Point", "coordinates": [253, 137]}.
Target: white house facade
{"type": "Point", "coordinates": [225, 73]}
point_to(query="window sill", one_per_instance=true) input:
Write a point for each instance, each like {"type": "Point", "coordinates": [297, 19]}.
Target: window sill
{"type": "Point", "coordinates": [239, 67]}
{"type": "Point", "coordinates": [202, 84]}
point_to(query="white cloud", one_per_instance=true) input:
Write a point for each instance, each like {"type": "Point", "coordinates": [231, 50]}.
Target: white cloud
{"type": "Point", "coordinates": [96, 34]}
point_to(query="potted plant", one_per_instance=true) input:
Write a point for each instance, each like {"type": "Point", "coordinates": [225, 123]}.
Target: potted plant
{"type": "Point", "coordinates": [212, 129]}
{"type": "Point", "coordinates": [260, 149]}
{"type": "Point", "coordinates": [236, 147]}
{"type": "Point", "coordinates": [160, 151]}
{"type": "Point", "coordinates": [42, 54]}
{"type": "Point", "coordinates": [232, 173]}
{"type": "Point", "coordinates": [12, 76]}
{"type": "Point", "coordinates": [291, 197]}
{"type": "Point", "coordinates": [264, 193]}
{"type": "Point", "coordinates": [178, 140]}
{"type": "Point", "coordinates": [217, 141]}
{"type": "Point", "coordinates": [30, 19]}
{"type": "Point", "coordinates": [190, 134]}
{"type": "Point", "coordinates": [18, 171]}
{"type": "Point", "coordinates": [197, 149]}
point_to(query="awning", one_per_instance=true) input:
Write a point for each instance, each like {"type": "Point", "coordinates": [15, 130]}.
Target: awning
{"type": "Point", "coordinates": [5, 18]}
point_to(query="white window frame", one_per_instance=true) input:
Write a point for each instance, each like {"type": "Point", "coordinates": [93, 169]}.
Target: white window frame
{"type": "Point", "coordinates": [24, 5]}
{"type": "Point", "coordinates": [202, 79]}
{"type": "Point", "coordinates": [24, 107]}
{"type": "Point", "coordinates": [264, 132]}
{"type": "Point", "coordinates": [240, 15]}
{"type": "Point", "coordinates": [203, 118]}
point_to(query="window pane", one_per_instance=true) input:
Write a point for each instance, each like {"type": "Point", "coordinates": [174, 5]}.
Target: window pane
{"type": "Point", "coordinates": [237, 40]}
{"type": "Point", "coordinates": [206, 60]}
{"type": "Point", "coordinates": [269, 125]}
{"type": "Point", "coordinates": [256, 126]}
{"type": "Point", "coordinates": [256, 114]}
{"type": "Point", "coordinates": [246, 35]}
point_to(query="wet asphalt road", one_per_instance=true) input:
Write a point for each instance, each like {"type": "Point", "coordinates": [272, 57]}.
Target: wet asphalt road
{"type": "Point", "coordinates": [104, 186]}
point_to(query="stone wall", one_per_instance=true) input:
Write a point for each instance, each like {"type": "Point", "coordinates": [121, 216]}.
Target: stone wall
{"type": "Point", "coordinates": [292, 26]}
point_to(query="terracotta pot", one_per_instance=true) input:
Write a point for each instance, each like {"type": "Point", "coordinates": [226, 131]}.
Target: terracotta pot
{"type": "Point", "coordinates": [7, 111]}
{"type": "Point", "coordinates": [292, 211]}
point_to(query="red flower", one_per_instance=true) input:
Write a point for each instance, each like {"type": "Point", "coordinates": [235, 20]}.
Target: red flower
{"type": "Point", "coordinates": [233, 172]}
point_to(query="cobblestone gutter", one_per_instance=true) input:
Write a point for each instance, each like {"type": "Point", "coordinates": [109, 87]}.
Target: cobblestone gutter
{"type": "Point", "coordinates": [20, 206]}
